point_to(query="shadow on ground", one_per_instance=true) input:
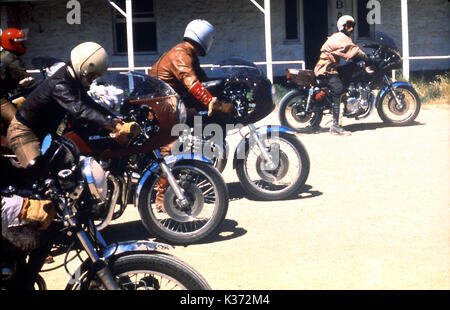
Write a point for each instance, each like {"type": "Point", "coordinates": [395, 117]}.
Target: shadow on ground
{"type": "Point", "coordinates": [374, 126]}
{"type": "Point", "coordinates": [236, 192]}
{"type": "Point", "coordinates": [135, 230]}
{"type": "Point", "coordinates": [357, 127]}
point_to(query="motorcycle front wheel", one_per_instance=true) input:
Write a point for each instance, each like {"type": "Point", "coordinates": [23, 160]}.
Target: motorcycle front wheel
{"type": "Point", "coordinates": [142, 271]}
{"type": "Point", "coordinates": [399, 113]}
{"type": "Point", "coordinates": [207, 194]}
{"type": "Point", "coordinates": [283, 181]}
{"type": "Point", "coordinates": [292, 112]}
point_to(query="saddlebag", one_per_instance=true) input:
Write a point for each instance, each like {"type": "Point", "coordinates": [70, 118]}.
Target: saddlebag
{"type": "Point", "coordinates": [301, 77]}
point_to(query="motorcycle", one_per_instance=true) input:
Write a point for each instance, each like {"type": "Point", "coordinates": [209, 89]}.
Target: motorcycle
{"type": "Point", "coordinates": [270, 161]}
{"type": "Point", "coordinates": [397, 103]}
{"type": "Point", "coordinates": [75, 184]}
{"type": "Point", "coordinates": [195, 203]}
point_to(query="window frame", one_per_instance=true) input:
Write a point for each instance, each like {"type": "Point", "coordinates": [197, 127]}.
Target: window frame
{"type": "Point", "coordinates": [138, 17]}
{"type": "Point", "coordinates": [298, 21]}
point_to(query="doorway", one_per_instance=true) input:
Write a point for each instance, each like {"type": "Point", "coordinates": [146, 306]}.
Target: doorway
{"type": "Point", "coordinates": [315, 17]}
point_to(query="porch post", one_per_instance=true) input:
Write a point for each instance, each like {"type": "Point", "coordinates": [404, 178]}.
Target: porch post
{"type": "Point", "coordinates": [405, 38]}
{"type": "Point", "coordinates": [129, 24]}
{"type": "Point", "coordinates": [130, 47]}
{"type": "Point", "coordinates": [268, 37]}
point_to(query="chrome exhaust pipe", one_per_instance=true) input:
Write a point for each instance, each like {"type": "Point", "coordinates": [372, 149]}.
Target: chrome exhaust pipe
{"type": "Point", "coordinates": [112, 204]}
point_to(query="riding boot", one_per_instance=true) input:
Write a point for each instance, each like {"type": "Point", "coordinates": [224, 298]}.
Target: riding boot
{"type": "Point", "coordinates": [336, 128]}
{"type": "Point", "coordinates": [161, 188]}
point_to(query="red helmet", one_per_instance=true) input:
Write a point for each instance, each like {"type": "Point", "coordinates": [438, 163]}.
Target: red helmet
{"type": "Point", "coordinates": [12, 40]}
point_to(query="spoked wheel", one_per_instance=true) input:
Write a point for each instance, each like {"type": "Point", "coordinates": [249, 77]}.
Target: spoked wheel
{"type": "Point", "coordinates": [282, 180]}
{"type": "Point", "coordinates": [292, 112]}
{"type": "Point", "coordinates": [400, 112]}
{"type": "Point", "coordinates": [141, 271]}
{"type": "Point", "coordinates": [207, 196]}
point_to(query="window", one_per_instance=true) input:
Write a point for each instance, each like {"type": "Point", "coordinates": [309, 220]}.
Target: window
{"type": "Point", "coordinates": [363, 25]}
{"type": "Point", "coordinates": [291, 18]}
{"type": "Point", "coordinates": [144, 27]}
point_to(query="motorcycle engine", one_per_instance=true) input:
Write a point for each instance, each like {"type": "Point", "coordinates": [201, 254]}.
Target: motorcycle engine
{"type": "Point", "coordinates": [357, 99]}
{"type": "Point", "coordinates": [241, 96]}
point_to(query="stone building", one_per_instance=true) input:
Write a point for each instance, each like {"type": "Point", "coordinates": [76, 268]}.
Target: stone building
{"type": "Point", "coordinates": [298, 27]}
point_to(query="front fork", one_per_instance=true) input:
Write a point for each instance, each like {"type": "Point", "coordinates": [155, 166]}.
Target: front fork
{"type": "Point", "coordinates": [397, 100]}
{"type": "Point", "coordinates": [264, 152]}
{"type": "Point", "coordinates": [181, 198]}
{"type": "Point", "coordinates": [100, 265]}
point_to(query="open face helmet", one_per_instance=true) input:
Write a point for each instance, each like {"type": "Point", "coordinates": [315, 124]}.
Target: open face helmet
{"type": "Point", "coordinates": [345, 20]}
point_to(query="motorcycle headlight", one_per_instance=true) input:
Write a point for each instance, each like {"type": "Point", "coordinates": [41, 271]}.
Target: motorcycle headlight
{"type": "Point", "coordinates": [182, 114]}
{"type": "Point", "coordinates": [95, 177]}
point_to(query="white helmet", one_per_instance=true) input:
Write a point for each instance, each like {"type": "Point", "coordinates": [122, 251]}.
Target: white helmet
{"type": "Point", "coordinates": [343, 20]}
{"type": "Point", "coordinates": [90, 61]}
{"type": "Point", "coordinates": [201, 32]}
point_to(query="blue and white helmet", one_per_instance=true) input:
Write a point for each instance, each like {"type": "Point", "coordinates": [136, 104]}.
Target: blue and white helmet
{"type": "Point", "coordinates": [201, 32]}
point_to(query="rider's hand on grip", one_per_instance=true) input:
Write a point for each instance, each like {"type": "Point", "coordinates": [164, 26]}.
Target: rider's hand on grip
{"type": "Point", "coordinates": [218, 106]}
{"type": "Point", "coordinates": [125, 132]}
{"type": "Point", "coordinates": [39, 212]}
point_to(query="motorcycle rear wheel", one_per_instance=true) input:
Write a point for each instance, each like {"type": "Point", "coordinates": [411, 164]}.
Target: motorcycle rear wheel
{"type": "Point", "coordinates": [292, 112]}
{"type": "Point", "coordinates": [143, 271]}
{"type": "Point", "coordinates": [265, 184]}
{"type": "Point", "coordinates": [208, 197]}
{"type": "Point", "coordinates": [406, 113]}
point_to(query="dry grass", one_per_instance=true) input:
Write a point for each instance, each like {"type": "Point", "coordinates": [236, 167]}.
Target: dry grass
{"type": "Point", "coordinates": [435, 91]}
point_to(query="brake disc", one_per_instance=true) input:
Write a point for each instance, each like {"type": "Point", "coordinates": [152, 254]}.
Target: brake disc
{"type": "Point", "coordinates": [272, 175]}
{"type": "Point", "coordinates": [186, 214]}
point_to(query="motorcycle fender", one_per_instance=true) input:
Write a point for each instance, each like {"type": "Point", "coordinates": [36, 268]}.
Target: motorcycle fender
{"type": "Point", "coordinates": [261, 131]}
{"type": "Point", "coordinates": [170, 160]}
{"type": "Point", "coordinates": [117, 249]}
{"type": "Point", "coordinates": [134, 246]}
{"type": "Point", "coordinates": [385, 90]}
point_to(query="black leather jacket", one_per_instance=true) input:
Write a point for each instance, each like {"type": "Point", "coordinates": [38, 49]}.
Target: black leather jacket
{"type": "Point", "coordinates": [12, 70]}
{"type": "Point", "coordinates": [57, 96]}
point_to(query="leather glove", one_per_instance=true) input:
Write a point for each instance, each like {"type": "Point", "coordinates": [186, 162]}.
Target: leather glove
{"type": "Point", "coordinates": [39, 212]}
{"type": "Point", "coordinates": [126, 133]}
{"type": "Point", "coordinates": [28, 82]}
{"type": "Point", "coordinates": [18, 101]}
{"type": "Point", "coordinates": [130, 129]}
{"type": "Point", "coordinates": [218, 106]}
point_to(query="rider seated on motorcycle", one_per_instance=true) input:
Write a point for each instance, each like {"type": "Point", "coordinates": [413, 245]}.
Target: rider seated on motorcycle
{"type": "Point", "coordinates": [64, 93]}
{"type": "Point", "coordinates": [12, 73]}
{"type": "Point", "coordinates": [339, 45]}
{"type": "Point", "coordinates": [180, 68]}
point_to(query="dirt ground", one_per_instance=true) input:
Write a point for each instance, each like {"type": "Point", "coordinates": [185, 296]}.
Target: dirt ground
{"type": "Point", "coordinates": [374, 215]}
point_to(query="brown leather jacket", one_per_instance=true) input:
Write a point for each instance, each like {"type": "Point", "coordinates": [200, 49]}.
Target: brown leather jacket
{"type": "Point", "coordinates": [336, 47]}
{"type": "Point", "coordinates": [180, 68]}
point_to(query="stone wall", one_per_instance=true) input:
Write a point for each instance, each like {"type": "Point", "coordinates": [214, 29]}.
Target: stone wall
{"type": "Point", "coordinates": [239, 29]}
{"type": "Point", "coordinates": [429, 30]}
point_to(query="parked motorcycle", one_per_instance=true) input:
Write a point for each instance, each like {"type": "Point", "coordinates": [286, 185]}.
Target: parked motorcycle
{"type": "Point", "coordinates": [195, 203]}
{"type": "Point", "coordinates": [76, 184]}
{"type": "Point", "coordinates": [397, 103]}
{"type": "Point", "coordinates": [270, 161]}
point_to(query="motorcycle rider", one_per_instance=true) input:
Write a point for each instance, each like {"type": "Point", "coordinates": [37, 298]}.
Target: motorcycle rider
{"type": "Point", "coordinates": [339, 45]}
{"type": "Point", "coordinates": [12, 73]}
{"type": "Point", "coordinates": [64, 93]}
{"type": "Point", "coordinates": [180, 68]}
